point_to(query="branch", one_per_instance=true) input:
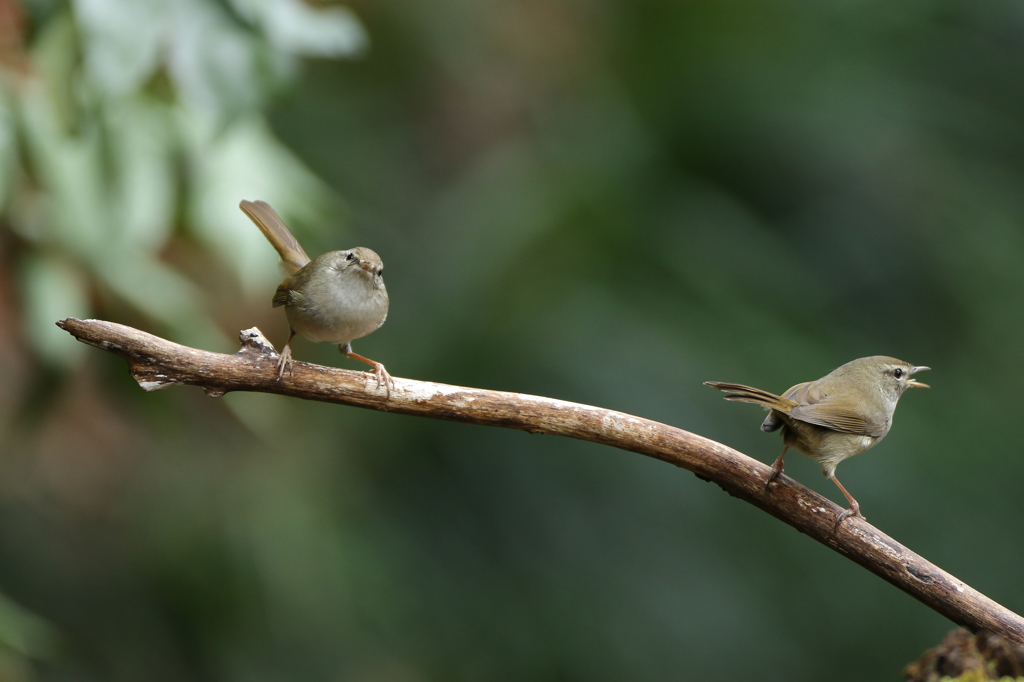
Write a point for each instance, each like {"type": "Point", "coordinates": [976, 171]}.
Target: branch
{"type": "Point", "coordinates": [156, 363]}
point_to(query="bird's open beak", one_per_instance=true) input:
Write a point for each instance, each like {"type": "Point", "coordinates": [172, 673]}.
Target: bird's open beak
{"type": "Point", "coordinates": [914, 382]}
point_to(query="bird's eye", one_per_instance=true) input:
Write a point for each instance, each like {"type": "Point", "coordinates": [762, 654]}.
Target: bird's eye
{"type": "Point", "coordinates": [350, 256]}
{"type": "Point", "coordinates": [897, 372]}
{"type": "Point", "coordinates": [381, 271]}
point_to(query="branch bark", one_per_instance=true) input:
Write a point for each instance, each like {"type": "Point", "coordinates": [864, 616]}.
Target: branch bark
{"type": "Point", "coordinates": [157, 363]}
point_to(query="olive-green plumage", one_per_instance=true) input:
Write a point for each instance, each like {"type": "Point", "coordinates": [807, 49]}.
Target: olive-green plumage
{"type": "Point", "coordinates": [836, 417]}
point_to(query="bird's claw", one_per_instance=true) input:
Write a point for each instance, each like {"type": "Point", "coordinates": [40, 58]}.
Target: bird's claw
{"type": "Point", "coordinates": [847, 513]}
{"type": "Point", "coordinates": [284, 362]}
{"type": "Point", "coordinates": [383, 378]}
{"type": "Point", "coordinates": [772, 476]}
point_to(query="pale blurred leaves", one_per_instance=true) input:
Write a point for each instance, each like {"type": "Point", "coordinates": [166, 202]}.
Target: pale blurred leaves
{"type": "Point", "coordinates": [141, 118]}
{"type": "Point", "coordinates": [126, 125]}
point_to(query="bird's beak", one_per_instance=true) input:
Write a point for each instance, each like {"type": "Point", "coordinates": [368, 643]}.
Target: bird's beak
{"type": "Point", "coordinates": [914, 382]}
{"type": "Point", "coordinates": [366, 265]}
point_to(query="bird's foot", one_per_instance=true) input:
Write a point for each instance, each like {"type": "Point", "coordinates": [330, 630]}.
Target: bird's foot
{"type": "Point", "coordinates": [284, 361]}
{"type": "Point", "coordinates": [776, 468]}
{"type": "Point", "coordinates": [383, 378]}
{"type": "Point", "coordinates": [854, 510]}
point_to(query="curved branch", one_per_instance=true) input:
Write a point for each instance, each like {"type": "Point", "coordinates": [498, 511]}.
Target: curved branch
{"type": "Point", "coordinates": [156, 363]}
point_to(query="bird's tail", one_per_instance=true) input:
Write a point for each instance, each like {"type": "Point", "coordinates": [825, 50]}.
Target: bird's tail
{"type": "Point", "coordinates": [746, 394]}
{"type": "Point", "coordinates": [279, 236]}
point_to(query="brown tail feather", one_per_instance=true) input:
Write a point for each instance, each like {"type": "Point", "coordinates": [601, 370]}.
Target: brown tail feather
{"type": "Point", "coordinates": [279, 236]}
{"type": "Point", "coordinates": [748, 394]}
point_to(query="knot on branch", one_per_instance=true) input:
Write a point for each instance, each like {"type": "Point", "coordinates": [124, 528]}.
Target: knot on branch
{"type": "Point", "coordinates": [253, 341]}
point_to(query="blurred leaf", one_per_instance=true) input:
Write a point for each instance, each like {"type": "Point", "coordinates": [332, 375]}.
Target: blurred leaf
{"type": "Point", "coordinates": [25, 632]}
{"type": "Point", "coordinates": [294, 26]}
{"type": "Point", "coordinates": [247, 162]}
{"type": "Point", "coordinates": [219, 69]}
{"type": "Point", "coordinates": [163, 294]}
{"type": "Point", "coordinates": [8, 151]}
{"type": "Point", "coordinates": [70, 167]}
{"type": "Point", "coordinates": [144, 181]}
{"type": "Point", "coordinates": [55, 57]}
{"type": "Point", "coordinates": [52, 289]}
{"type": "Point", "coordinates": [123, 39]}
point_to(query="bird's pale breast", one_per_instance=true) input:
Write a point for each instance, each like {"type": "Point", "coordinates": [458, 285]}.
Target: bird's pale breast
{"type": "Point", "coordinates": [343, 313]}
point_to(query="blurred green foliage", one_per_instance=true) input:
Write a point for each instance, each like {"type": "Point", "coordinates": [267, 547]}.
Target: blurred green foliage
{"type": "Point", "coordinates": [607, 202]}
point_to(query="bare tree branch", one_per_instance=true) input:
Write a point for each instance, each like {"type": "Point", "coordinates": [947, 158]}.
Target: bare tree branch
{"type": "Point", "coordinates": [156, 363]}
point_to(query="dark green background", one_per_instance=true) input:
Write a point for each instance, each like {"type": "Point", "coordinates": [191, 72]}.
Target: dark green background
{"type": "Point", "coordinates": [604, 202]}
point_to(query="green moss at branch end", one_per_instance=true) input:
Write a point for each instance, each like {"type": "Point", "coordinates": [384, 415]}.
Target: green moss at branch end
{"type": "Point", "coordinates": [963, 657]}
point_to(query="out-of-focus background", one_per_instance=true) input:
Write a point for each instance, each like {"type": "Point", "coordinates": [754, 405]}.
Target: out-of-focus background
{"type": "Point", "coordinates": [603, 201]}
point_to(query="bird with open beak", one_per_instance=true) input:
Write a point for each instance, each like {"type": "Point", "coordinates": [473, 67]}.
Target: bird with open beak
{"type": "Point", "coordinates": [836, 417]}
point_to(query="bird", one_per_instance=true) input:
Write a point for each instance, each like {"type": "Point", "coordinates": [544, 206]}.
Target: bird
{"type": "Point", "coordinates": [842, 414]}
{"type": "Point", "coordinates": [337, 297]}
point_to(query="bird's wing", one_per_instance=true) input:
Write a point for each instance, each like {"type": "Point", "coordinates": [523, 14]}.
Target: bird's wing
{"type": "Point", "coordinates": [283, 295]}
{"type": "Point", "coordinates": [289, 291]}
{"type": "Point", "coordinates": [818, 407]}
{"type": "Point", "coordinates": [831, 417]}
{"type": "Point", "coordinates": [807, 393]}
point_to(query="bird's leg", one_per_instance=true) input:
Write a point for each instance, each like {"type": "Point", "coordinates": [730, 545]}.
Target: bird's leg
{"type": "Point", "coordinates": [854, 509]}
{"type": "Point", "coordinates": [286, 356]}
{"type": "Point", "coordinates": [383, 378]}
{"type": "Point", "coordinates": [777, 468]}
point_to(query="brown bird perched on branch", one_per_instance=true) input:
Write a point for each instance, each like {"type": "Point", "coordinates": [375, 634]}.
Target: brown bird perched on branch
{"type": "Point", "coordinates": [336, 297]}
{"type": "Point", "coordinates": [838, 416]}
